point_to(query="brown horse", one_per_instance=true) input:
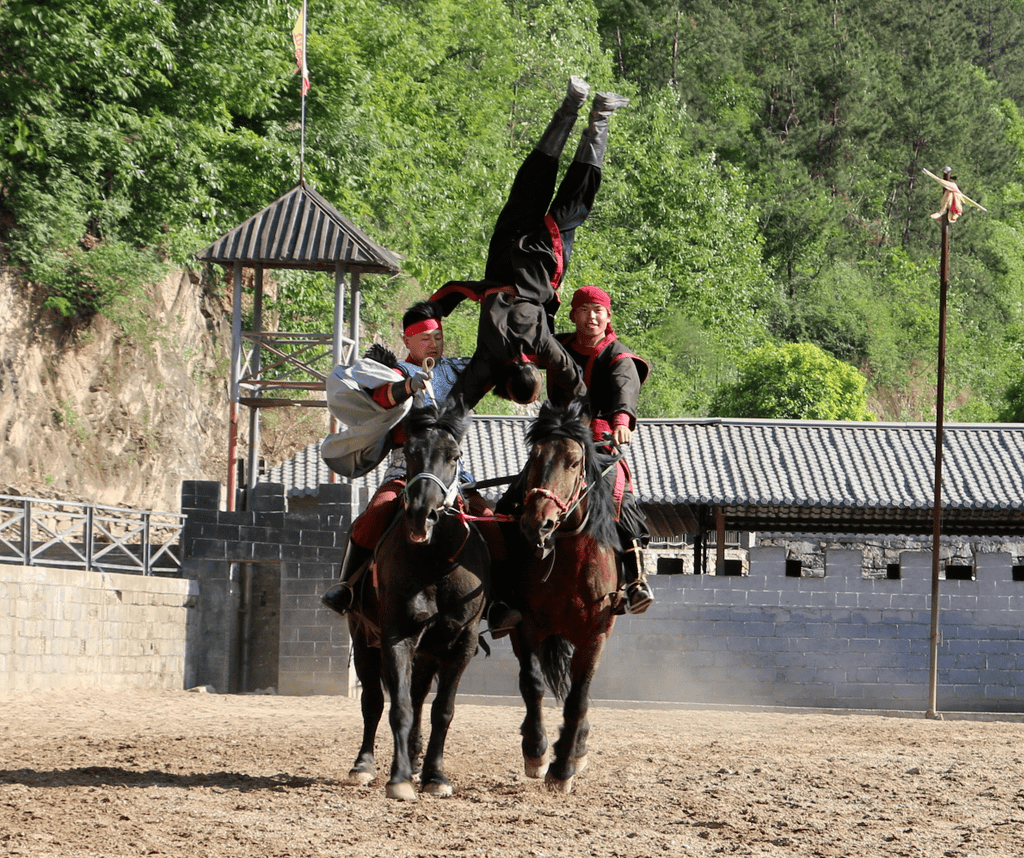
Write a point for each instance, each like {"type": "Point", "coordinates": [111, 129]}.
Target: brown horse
{"type": "Point", "coordinates": [432, 569]}
{"type": "Point", "coordinates": [569, 587]}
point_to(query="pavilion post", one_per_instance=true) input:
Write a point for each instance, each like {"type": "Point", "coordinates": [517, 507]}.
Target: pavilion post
{"type": "Point", "coordinates": [236, 374]}
{"type": "Point", "coordinates": [256, 366]}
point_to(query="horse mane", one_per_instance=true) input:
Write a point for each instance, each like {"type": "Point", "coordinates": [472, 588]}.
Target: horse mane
{"type": "Point", "coordinates": [555, 421]}
{"type": "Point", "coordinates": [451, 416]}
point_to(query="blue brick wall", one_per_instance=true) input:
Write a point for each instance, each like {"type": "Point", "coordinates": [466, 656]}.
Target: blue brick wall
{"type": "Point", "coordinates": [307, 546]}
{"type": "Point", "coordinates": [841, 640]}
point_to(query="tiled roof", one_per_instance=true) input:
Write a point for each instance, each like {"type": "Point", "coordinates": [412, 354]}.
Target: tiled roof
{"type": "Point", "coordinates": [493, 448]}
{"type": "Point", "coordinates": [301, 230]}
{"type": "Point", "coordinates": [790, 476]}
{"type": "Point", "coordinates": [830, 477]}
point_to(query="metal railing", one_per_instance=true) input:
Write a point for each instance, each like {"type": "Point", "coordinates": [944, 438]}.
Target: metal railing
{"type": "Point", "coordinates": [40, 532]}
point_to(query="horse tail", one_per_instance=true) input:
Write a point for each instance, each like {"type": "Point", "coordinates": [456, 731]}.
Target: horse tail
{"type": "Point", "coordinates": [555, 665]}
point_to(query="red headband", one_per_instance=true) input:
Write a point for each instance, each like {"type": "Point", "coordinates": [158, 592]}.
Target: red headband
{"type": "Point", "coordinates": [420, 327]}
{"type": "Point", "coordinates": [591, 295]}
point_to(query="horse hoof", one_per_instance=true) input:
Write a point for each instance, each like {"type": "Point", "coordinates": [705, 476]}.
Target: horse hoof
{"type": "Point", "coordinates": [402, 791]}
{"type": "Point", "coordinates": [361, 778]}
{"type": "Point", "coordinates": [559, 786]}
{"type": "Point", "coordinates": [536, 767]}
{"type": "Point", "coordinates": [437, 788]}
{"type": "Point", "coordinates": [581, 763]}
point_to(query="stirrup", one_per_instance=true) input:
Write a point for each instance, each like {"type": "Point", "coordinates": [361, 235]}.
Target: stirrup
{"type": "Point", "coordinates": [339, 598]}
{"type": "Point", "coordinates": [639, 597]}
{"type": "Point", "coordinates": [507, 619]}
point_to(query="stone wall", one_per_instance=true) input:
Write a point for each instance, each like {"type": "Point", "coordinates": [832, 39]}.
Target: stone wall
{"type": "Point", "coordinates": [233, 554]}
{"type": "Point", "coordinates": [63, 629]}
{"type": "Point", "coordinates": [805, 625]}
{"type": "Point", "coordinates": [247, 614]}
{"type": "Point", "coordinates": [835, 640]}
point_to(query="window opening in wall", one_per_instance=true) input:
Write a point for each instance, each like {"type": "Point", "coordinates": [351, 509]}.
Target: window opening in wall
{"type": "Point", "coordinates": [733, 538]}
{"type": "Point", "coordinates": [1018, 572]}
{"type": "Point", "coordinates": [670, 565]}
{"type": "Point", "coordinates": [732, 567]}
{"type": "Point", "coordinates": [959, 572]}
{"type": "Point", "coordinates": [665, 542]}
{"type": "Point", "coordinates": [892, 571]}
{"type": "Point", "coordinates": [793, 568]}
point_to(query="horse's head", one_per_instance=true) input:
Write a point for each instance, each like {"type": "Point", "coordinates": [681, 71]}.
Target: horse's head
{"type": "Point", "coordinates": [432, 461]}
{"type": "Point", "coordinates": [556, 475]}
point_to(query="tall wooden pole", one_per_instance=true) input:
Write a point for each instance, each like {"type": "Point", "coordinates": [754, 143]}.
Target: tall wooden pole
{"type": "Point", "coordinates": [303, 71]}
{"type": "Point", "coordinates": [933, 667]}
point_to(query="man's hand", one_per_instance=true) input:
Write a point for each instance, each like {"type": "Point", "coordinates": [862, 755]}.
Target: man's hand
{"type": "Point", "coordinates": [623, 435]}
{"type": "Point", "coordinates": [418, 381]}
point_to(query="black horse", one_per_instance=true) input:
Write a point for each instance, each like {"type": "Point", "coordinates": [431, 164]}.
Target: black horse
{"type": "Point", "coordinates": [421, 619]}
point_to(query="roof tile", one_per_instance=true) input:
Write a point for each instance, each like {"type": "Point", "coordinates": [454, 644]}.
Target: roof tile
{"type": "Point", "coordinates": [778, 475]}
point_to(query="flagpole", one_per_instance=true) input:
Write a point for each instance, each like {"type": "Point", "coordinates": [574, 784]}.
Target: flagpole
{"type": "Point", "coordinates": [299, 39]}
{"type": "Point", "coordinates": [302, 87]}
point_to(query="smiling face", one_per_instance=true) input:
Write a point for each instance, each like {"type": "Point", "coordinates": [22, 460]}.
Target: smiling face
{"type": "Point", "coordinates": [591, 322]}
{"type": "Point", "coordinates": [426, 344]}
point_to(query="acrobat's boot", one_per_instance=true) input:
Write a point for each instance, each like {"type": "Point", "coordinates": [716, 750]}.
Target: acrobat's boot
{"type": "Point", "coordinates": [639, 595]}
{"type": "Point", "coordinates": [342, 595]}
{"type": "Point", "coordinates": [594, 141]}
{"type": "Point", "coordinates": [501, 619]}
{"type": "Point", "coordinates": [553, 140]}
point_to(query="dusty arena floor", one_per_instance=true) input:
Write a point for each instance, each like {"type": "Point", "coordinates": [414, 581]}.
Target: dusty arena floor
{"type": "Point", "coordinates": [199, 775]}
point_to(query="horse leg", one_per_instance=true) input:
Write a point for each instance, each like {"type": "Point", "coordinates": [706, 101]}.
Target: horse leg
{"type": "Point", "coordinates": [433, 780]}
{"type": "Point", "coordinates": [535, 740]}
{"type": "Point", "coordinates": [424, 668]}
{"type": "Point", "coordinates": [571, 747]}
{"type": "Point", "coordinates": [398, 657]}
{"type": "Point", "coordinates": [368, 669]}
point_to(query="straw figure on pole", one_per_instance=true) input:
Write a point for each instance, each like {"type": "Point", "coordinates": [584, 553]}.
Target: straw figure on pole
{"type": "Point", "coordinates": [951, 208]}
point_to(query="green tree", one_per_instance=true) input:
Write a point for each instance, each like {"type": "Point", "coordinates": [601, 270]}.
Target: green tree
{"type": "Point", "coordinates": [133, 129]}
{"type": "Point", "coordinates": [1013, 405]}
{"type": "Point", "coordinates": [796, 381]}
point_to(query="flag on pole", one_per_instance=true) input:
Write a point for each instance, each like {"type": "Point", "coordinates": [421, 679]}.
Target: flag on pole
{"type": "Point", "coordinates": [299, 38]}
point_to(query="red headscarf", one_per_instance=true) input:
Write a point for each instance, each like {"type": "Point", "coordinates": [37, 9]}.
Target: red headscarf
{"type": "Point", "coordinates": [421, 326]}
{"type": "Point", "coordinates": [591, 295]}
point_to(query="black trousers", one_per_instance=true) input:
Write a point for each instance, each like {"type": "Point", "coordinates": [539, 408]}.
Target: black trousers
{"type": "Point", "coordinates": [520, 226]}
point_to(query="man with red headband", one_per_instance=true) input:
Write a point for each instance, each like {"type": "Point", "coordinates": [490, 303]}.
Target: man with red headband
{"type": "Point", "coordinates": [423, 338]}
{"type": "Point", "coordinates": [528, 257]}
{"type": "Point", "coordinates": [613, 375]}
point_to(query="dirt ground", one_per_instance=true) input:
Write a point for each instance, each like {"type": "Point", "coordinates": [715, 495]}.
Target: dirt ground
{"type": "Point", "coordinates": [197, 775]}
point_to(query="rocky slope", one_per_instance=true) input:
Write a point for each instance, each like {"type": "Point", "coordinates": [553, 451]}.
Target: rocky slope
{"type": "Point", "coordinates": [97, 416]}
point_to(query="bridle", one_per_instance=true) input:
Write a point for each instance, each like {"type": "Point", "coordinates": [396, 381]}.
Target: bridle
{"type": "Point", "coordinates": [566, 507]}
{"type": "Point", "coordinates": [448, 505]}
{"type": "Point", "coordinates": [451, 490]}
{"type": "Point", "coordinates": [580, 491]}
